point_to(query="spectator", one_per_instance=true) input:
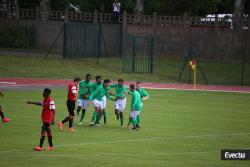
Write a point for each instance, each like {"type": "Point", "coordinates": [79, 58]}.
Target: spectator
{"type": "Point", "coordinates": [116, 9]}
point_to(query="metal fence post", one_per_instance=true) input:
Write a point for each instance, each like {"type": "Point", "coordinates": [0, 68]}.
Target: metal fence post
{"type": "Point", "coordinates": [66, 17]}
{"type": "Point", "coordinates": [134, 54]}
{"type": "Point", "coordinates": [152, 56]}
{"type": "Point", "coordinates": [95, 17]}
{"type": "Point", "coordinates": [37, 13]}
{"type": "Point", "coordinates": [124, 26]}
{"type": "Point", "coordinates": [98, 45]}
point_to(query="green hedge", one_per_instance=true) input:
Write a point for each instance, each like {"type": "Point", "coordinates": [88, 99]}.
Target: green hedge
{"type": "Point", "coordinates": [17, 36]}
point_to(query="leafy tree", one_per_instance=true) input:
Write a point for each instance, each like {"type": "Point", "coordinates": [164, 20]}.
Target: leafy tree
{"type": "Point", "coordinates": [29, 4]}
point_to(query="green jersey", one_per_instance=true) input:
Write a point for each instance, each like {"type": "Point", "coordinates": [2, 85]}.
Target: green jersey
{"type": "Point", "coordinates": [119, 91]}
{"type": "Point", "coordinates": [84, 89]}
{"type": "Point", "coordinates": [95, 86]}
{"type": "Point", "coordinates": [143, 92]}
{"type": "Point", "coordinates": [99, 93]}
{"type": "Point", "coordinates": [136, 104]}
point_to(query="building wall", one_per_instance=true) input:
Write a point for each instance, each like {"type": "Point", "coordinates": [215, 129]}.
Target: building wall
{"type": "Point", "coordinates": [171, 41]}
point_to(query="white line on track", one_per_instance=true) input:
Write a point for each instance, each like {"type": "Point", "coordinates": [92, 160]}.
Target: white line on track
{"type": "Point", "coordinates": [203, 90]}
{"type": "Point", "coordinates": [142, 140]}
{"type": "Point", "coordinates": [13, 84]}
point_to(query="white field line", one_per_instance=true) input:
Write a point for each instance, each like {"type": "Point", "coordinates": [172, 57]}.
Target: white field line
{"type": "Point", "coordinates": [8, 83]}
{"type": "Point", "coordinates": [14, 84]}
{"type": "Point", "coordinates": [142, 140]}
{"type": "Point", "coordinates": [203, 90]}
{"type": "Point", "coordinates": [114, 154]}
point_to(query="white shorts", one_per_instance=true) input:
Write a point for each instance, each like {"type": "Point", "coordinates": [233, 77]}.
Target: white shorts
{"type": "Point", "coordinates": [134, 114]}
{"type": "Point", "coordinates": [104, 100]}
{"type": "Point", "coordinates": [99, 104]}
{"type": "Point", "coordinates": [83, 103]}
{"type": "Point", "coordinates": [120, 104]}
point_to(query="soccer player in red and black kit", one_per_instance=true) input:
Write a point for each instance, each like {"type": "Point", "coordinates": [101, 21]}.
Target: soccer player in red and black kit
{"type": "Point", "coordinates": [48, 116]}
{"type": "Point", "coordinates": [72, 96]}
{"type": "Point", "coordinates": [4, 119]}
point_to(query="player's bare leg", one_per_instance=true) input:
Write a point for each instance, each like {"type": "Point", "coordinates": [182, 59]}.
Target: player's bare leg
{"type": "Point", "coordinates": [129, 122]}
{"type": "Point", "coordinates": [121, 118]}
{"type": "Point", "coordinates": [78, 112]}
{"type": "Point", "coordinates": [104, 116]}
{"type": "Point", "coordinates": [117, 113]}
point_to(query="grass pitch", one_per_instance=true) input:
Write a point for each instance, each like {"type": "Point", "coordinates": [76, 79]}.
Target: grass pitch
{"type": "Point", "coordinates": [166, 70]}
{"type": "Point", "coordinates": [180, 128]}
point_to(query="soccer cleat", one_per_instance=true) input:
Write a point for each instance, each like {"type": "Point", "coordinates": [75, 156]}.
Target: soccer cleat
{"type": "Point", "coordinates": [38, 148]}
{"type": "Point", "coordinates": [5, 120]}
{"type": "Point", "coordinates": [138, 126]}
{"type": "Point", "coordinates": [71, 130]}
{"type": "Point", "coordinates": [134, 129]}
{"type": "Point", "coordinates": [50, 148]}
{"type": "Point", "coordinates": [60, 126]}
{"type": "Point", "coordinates": [80, 123]}
{"type": "Point", "coordinates": [98, 125]}
{"type": "Point", "coordinates": [91, 124]}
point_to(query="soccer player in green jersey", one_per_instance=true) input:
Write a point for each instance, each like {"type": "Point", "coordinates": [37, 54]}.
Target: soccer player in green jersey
{"type": "Point", "coordinates": [97, 84]}
{"type": "Point", "coordinates": [144, 96]}
{"type": "Point", "coordinates": [83, 96]}
{"type": "Point", "coordinates": [120, 99]}
{"type": "Point", "coordinates": [135, 106]}
{"type": "Point", "coordinates": [94, 87]}
{"type": "Point", "coordinates": [143, 93]}
{"type": "Point", "coordinates": [97, 99]}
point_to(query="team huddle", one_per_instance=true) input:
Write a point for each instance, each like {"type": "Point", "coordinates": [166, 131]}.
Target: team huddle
{"type": "Point", "coordinates": [84, 93]}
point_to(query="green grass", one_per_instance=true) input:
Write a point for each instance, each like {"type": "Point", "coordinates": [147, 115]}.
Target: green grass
{"type": "Point", "coordinates": [166, 70]}
{"type": "Point", "coordinates": [180, 128]}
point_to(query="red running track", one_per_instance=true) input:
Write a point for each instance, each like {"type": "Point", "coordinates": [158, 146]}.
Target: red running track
{"type": "Point", "coordinates": [6, 82]}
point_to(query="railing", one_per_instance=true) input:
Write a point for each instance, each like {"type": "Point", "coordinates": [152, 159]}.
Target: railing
{"type": "Point", "coordinates": [110, 18]}
{"type": "Point", "coordinates": [27, 14]}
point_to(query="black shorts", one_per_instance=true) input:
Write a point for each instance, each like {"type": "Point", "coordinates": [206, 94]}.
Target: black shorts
{"type": "Point", "coordinates": [71, 107]}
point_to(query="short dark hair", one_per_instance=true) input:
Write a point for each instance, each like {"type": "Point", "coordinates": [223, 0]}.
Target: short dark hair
{"type": "Point", "coordinates": [106, 81]}
{"type": "Point", "coordinates": [120, 80]}
{"type": "Point", "coordinates": [77, 79]}
{"type": "Point", "coordinates": [47, 90]}
{"type": "Point", "coordinates": [138, 82]}
{"type": "Point", "coordinates": [132, 86]}
{"type": "Point", "coordinates": [88, 75]}
{"type": "Point", "coordinates": [98, 77]}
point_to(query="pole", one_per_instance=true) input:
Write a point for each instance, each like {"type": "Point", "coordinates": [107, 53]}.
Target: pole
{"type": "Point", "coordinates": [195, 82]}
{"type": "Point", "coordinates": [54, 42]}
{"type": "Point", "coordinates": [183, 67]}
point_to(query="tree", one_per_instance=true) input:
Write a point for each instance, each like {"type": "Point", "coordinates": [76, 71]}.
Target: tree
{"type": "Point", "coordinates": [28, 4]}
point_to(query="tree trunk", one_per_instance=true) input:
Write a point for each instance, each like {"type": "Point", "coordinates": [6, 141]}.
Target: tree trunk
{"type": "Point", "coordinates": [238, 13]}
{"type": "Point", "coordinates": [139, 9]}
{"type": "Point", "coordinates": [45, 9]}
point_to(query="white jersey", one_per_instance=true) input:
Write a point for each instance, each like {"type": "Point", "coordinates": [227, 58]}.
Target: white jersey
{"type": "Point", "coordinates": [116, 7]}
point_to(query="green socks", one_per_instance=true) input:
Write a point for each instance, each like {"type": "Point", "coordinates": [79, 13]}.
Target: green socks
{"type": "Point", "coordinates": [138, 119]}
{"type": "Point", "coordinates": [94, 117]}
